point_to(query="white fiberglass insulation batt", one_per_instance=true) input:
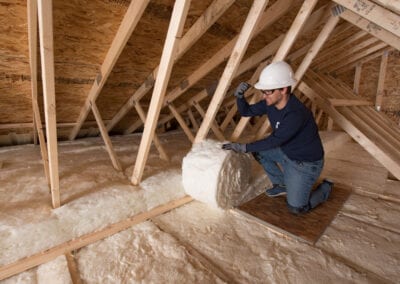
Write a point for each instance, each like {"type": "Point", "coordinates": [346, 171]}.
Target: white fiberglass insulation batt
{"type": "Point", "coordinates": [214, 176]}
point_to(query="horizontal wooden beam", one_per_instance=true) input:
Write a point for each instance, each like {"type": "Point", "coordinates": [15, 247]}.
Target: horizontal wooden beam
{"type": "Point", "coordinates": [79, 242]}
{"type": "Point", "coordinates": [350, 102]}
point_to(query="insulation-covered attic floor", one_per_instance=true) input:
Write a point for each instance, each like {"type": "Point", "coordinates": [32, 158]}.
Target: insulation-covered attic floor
{"type": "Point", "coordinates": [193, 243]}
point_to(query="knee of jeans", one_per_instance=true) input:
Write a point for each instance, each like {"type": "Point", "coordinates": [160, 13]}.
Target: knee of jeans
{"type": "Point", "coordinates": [298, 210]}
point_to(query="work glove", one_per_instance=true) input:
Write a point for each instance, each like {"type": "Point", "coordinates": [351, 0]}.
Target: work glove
{"type": "Point", "coordinates": [237, 147]}
{"type": "Point", "coordinates": [241, 89]}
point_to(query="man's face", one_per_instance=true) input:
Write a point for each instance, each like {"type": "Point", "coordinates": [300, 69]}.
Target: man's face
{"type": "Point", "coordinates": [272, 97]}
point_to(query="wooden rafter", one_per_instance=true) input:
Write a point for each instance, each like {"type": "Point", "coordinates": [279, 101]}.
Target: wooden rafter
{"type": "Point", "coordinates": [209, 17]}
{"type": "Point", "coordinates": [326, 64]}
{"type": "Point", "coordinates": [316, 18]}
{"type": "Point", "coordinates": [374, 13]}
{"type": "Point", "coordinates": [164, 72]}
{"type": "Point", "coordinates": [128, 24]}
{"type": "Point", "coordinates": [326, 53]}
{"type": "Point", "coordinates": [232, 65]}
{"type": "Point", "coordinates": [371, 28]}
{"type": "Point", "coordinates": [316, 47]}
{"type": "Point", "coordinates": [295, 28]}
{"type": "Point", "coordinates": [356, 56]}
{"type": "Point", "coordinates": [269, 17]}
{"type": "Point", "coordinates": [45, 12]}
{"type": "Point", "coordinates": [364, 60]}
{"type": "Point", "coordinates": [32, 34]}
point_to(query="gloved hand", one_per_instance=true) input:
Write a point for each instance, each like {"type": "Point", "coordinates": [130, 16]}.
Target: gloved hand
{"type": "Point", "coordinates": [237, 147]}
{"type": "Point", "coordinates": [241, 89]}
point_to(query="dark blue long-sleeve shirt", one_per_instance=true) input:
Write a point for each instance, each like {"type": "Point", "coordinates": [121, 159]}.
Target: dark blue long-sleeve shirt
{"type": "Point", "coordinates": [294, 129]}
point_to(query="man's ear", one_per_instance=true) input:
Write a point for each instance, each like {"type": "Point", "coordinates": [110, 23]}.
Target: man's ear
{"type": "Point", "coordinates": [284, 90]}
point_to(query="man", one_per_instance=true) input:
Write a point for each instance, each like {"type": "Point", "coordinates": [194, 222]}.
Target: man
{"type": "Point", "coordinates": [292, 155]}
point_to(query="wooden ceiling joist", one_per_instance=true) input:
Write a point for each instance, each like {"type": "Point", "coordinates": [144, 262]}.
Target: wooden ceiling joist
{"type": "Point", "coordinates": [128, 24]}
{"type": "Point", "coordinates": [242, 42]}
{"type": "Point", "coordinates": [203, 23]}
{"type": "Point", "coordinates": [45, 13]}
{"type": "Point", "coordinates": [174, 33]}
{"type": "Point", "coordinates": [87, 239]}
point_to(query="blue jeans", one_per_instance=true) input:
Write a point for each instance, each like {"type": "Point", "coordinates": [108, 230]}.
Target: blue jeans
{"type": "Point", "coordinates": [298, 177]}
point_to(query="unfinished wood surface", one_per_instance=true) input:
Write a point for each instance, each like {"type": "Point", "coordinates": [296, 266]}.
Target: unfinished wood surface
{"type": "Point", "coordinates": [73, 268]}
{"type": "Point", "coordinates": [327, 52]}
{"type": "Point", "coordinates": [374, 13]}
{"type": "Point", "coordinates": [214, 126]}
{"type": "Point", "coordinates": [363, 60]}
{"type": "Point", "coordinates": [233, 63]}
{"type": "Point", "coordinates": [371, 28]}
{"type": "Point", "coordinates": [315, 48]}
{"type": "Point", "coordinates": [205, 21]}
{"type": "Point", "coordinates": [355, 49]}
{"type": "Point", "coordinates": [357, 78]}
{"type": "Point", "coordinates": [32, 34]}
{"type": "Point", "coordinates": [308, 227]}
{"type": "Point", "coordinates": [45, 12]}
{"type": "Point", "coordinates": [381, 81]}
{"type": "Point", "coordinates": [385, 156]}
{"type": "Point", "coordinates": [156, 140]}
{"type": "Point", "coordinates": [181, 122]}
{"type": "Point", "coordinates": [178, 18]}
{"type": "Point", "coordinates": [350, 102]}
{"type": "Point", "coordinates": [79, 242]}
{"type": "Point", "coordinates": [193, 120]}
{"type": "Point", "coordinates": [356, 56]}
{"type": "Point", "coordinates": [104, 134]}
{"type": "Point", "coordinates": [295, 28]}
{"type": "Point", "coordinates": [128, 24]}
{"type": "Point", "coordinates": [268, 18]}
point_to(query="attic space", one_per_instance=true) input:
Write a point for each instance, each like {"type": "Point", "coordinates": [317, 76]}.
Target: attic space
{"type": "Point", "coordinates": [102, 100]}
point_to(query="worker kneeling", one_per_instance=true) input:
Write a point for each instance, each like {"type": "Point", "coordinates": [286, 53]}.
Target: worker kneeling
{"type": "Point", "coordinates": [294, 143]}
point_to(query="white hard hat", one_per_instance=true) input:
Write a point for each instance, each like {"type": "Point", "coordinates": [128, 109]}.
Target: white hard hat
{"type": "Point", "coordinates": [275, 76]}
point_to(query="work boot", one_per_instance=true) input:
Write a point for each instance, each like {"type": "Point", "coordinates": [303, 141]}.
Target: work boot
{"type": "Point", "coordinates": [276, 190]}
